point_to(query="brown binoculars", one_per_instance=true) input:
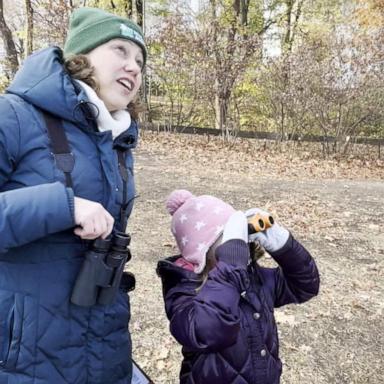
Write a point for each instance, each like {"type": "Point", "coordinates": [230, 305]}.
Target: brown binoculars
{"type": "Point", "coordinates": [259, 223]}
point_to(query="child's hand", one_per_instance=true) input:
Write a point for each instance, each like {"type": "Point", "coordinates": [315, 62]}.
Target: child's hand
{"type": "Point", "coordinates": [236, 227]}
{"type": "Point", "coordinates": [231, 250]}
{"type": "Point", "coordinates": [273, 238]}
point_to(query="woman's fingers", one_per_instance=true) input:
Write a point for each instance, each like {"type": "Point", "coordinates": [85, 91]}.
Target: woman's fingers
{"type": "Point", "coordinates": [92, 219]}
{"type": "Point", "coordinates": [110, 222]}
{"type": "Point", "coordinates": [106, 226]}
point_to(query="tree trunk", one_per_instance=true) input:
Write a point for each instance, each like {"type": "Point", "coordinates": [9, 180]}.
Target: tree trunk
{"type": "Point", "coordinates": [282, 121]}
{"type": "Point", "coordinates": [11, 60]}
{"type": "Point", "coordinates": [128, 6]}
{"type": "Point", "coordinates": [29, 10]}
{"type": "Point", "coordinates": [221, 114]}
{"type": "Point", "coordinates": [288, 30]}
{"type": "Point", "coordinates": [292, 20]}
{"type": "Point", "coordinates": [221, 111]}
{"type": "Point", "coordinates": [244, 6]}
{"type": "Point", "coordinates": [140, 12]}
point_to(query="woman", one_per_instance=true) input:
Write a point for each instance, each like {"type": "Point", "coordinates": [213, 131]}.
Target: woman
{"type": "Point", "coordinates": [66, 179]}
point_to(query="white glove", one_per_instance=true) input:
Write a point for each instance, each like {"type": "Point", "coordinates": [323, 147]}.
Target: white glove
{"type": "Point", "coordinates": [236, 228]}
{"type": "Point", "coordinates": [273, 238]}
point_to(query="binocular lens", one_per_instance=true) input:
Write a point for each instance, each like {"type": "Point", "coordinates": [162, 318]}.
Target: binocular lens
{"type": "Point", "coordinates": [121, 240]}
{"type": "Point", "coordinates": [261, 224]}
{"type": "Point", "coordinates": [258, 223]}
{"type": "Point", "coordinates": [102, 245]}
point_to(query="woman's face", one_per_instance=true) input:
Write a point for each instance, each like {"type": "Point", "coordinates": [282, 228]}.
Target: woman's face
{"type": "Point", "coordinates": [118, 65]}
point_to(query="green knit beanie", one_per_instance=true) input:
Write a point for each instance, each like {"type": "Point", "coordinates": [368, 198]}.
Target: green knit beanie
{"type": "Point", "coordinates": [91, 27]}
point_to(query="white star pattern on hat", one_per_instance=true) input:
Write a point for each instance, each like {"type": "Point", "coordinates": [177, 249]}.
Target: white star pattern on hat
{"type": "Point", "coordinates": [183, 218]}
{"type": "Point", "coordinates": [218, 210]}
{"type": "Point", "coordinates": [201, 247]}
{"type": "Point", "coordinates": [219, 229]}
{"type": "Point", "coordinates": [199, 225]}
{"type": "Point", "coordinates": [184, 240]}
{"type": "Point", "coordinates": [198, 221]}
{"type": "Point", "coordinates": [198, 206]}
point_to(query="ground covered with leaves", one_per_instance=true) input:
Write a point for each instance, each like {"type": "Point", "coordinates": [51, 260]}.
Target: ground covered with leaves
{"type": "Point", "coordinates": [335, 207]}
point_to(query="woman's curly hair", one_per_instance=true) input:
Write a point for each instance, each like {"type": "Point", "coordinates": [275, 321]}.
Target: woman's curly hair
{"type": "Point", "coordinates": [79, 67]}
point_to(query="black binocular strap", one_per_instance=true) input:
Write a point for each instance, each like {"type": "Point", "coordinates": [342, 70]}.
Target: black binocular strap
{"type": "Point", "coordinates": [60, 148]}
{"type": "Point", "coordinates": [124, 175]}
{"type": "Point", "coordinates": [65, 160]}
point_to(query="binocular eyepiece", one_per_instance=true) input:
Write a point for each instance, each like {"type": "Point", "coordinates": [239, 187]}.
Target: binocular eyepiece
{"type": "Point", "coordinates": [259, 223]}
{"type": "Point", "coordinates": [100, 275]}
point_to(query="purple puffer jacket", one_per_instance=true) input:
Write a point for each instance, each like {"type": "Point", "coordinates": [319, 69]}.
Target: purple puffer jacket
{"type": "Point", "coordinates": [227, 328]}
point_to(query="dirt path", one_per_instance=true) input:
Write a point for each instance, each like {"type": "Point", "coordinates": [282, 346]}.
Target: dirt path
{"type": "Point", "coordinates": [337, 337]}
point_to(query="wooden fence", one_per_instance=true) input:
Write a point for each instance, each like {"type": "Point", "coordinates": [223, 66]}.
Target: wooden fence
{"type": "Point", "coordinates": [273, 136]}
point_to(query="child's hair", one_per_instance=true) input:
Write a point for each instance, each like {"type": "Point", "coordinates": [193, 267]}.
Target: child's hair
{"type": "Point", "coordinates": [256, 252]}
{"type": "Point", "coordinates": [210, 264]}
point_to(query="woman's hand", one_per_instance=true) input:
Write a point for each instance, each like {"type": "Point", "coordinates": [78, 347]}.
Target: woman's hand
{"type": "Point", "coordinates": [92, 218]}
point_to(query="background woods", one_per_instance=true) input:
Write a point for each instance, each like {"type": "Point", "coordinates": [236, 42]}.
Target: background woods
{"type": "Point", "coordinates": [290, 68]}
{"type": "Point", "coordinates": [295, 67]}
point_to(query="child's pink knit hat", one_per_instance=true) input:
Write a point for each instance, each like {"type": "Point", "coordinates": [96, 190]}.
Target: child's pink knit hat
{"type": "Point", "coordinates": [197, 222]}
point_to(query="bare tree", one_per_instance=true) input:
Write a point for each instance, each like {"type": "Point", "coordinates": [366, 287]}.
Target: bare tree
{"type": "Point", "coordinates": [11, 61]}
{"type": "Point", "coordinates": [51, 17]}
{"type": "Point", "coordinates": [335, 88]}
{"type": "Point", "coordinates": [29, 12]}
{"type": "Point", "coordinates": [244, 7]}
{"type": "Point", "coordinates": [292, 18]}
{"type": "Point", "coordinates": [233, 45]}
{"type": "Point", "coordinates": [176, 74]}
{"type": "Point", "coordinates": [140, 12]}
{"type": "Point", "coordinates": [128, 6]}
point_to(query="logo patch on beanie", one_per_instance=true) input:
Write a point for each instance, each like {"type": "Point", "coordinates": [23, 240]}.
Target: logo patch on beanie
{"type": "Point", "coordinates": [130, 33]}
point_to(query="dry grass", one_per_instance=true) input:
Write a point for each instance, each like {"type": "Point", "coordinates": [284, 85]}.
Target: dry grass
{"type": "Point", "coordinates": [335, 207]}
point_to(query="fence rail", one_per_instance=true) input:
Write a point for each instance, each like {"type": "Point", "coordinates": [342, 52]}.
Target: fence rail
{"type": "Point", "coordinates": [260, 135]}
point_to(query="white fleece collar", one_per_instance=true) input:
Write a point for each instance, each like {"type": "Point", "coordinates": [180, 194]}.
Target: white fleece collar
{"type": "Point", "coordinates": [117, 122]}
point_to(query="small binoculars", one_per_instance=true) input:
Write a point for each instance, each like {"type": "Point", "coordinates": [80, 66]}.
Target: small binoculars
{"type": "Point", "coordinates": [100, 275]}
{"type": "Point", "coordinates": [259, 223]}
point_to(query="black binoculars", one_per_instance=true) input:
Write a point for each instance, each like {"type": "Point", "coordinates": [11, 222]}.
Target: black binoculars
{"type": "Point", "coordinates": [100, 275]}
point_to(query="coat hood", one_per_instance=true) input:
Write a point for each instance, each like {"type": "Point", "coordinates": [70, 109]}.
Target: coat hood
{"type": "Point", "coordinates": [43, 81]}
{"type": "Point", "coordinates": [171, 274]}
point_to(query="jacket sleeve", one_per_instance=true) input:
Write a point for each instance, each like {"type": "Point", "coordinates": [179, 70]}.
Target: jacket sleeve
{"type": "Point", "coordinates": [28, 213]}
{"type": "Point", "coordinates": [207, 319]}
{"type": "Point", "coordinates": [297, 280]}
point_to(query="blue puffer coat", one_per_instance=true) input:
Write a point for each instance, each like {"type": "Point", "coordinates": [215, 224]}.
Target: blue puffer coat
{"type": "Point", "coordinates": [44, 339]}
{"type": "Point", "coordinates": [227, 328]}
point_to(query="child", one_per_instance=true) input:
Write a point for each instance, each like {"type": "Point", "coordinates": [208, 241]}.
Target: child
{"type": "Point", "coordinates": [219, 301]}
